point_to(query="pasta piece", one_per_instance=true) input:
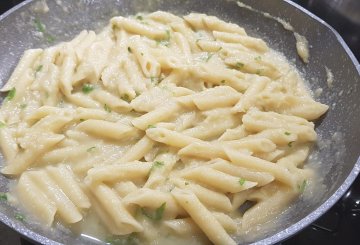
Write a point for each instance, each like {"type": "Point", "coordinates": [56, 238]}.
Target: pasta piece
{"type": "Point", "coordinates": [169, 137]}
{"type": "Point", "coordinates": [113, 102]}
{"type": "Point", "coordinates": [242, 160]}
{"type": "Point", "coordinates": [138, 28]}
{"type": "Point", "coordinates": [22, 161]}
{"type": "Point", "coordinates": [36, 201]}
{"type": "Point", "coordinates": [66, 181]}
{"type": "Point", "coordinates": [16, 79]}
{"type": "Point", "coordinates": [138, 151]}
{"type": "Point", "coordinates": [153, 199]}
{"type": "Point", "coordinates": [66, 209]}
{"type": "Point", "coordinates": [183, 227]}
{"type": "Point", "coordinates": [262, 178]}
{"type": "Point", "coordinates": [125, 223]}
{"type": "Point", "coordinates": [202, 217]}
{"type": "Point", "coordinates": [111, 173]}
{"type": "Point", "coordinates": [157, 115]}
{"type": "Point", "coordinates": [109, 130]}
{"type": "Point", "coordinates": [218, 180]}
{"type": "Point", "coordinates": [8, 144]}
{"type": "Point", "coordinates": [208, 197]}
{"type": "Point", "coordinates": [250, 42]}
{"type": "Point", "coordinates": [201, 21]}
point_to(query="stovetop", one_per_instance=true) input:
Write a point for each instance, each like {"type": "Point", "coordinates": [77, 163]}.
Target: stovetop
{"type": "Point", "coordinates": [340, 225]}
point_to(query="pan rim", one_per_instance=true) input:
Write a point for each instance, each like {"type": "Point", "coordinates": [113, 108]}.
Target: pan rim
{"type": "Point", "coordinates": [277, 237]}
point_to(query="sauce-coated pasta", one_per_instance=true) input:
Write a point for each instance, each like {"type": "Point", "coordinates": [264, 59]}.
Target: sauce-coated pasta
{"type": "Point", "coordinates": [160, 126]}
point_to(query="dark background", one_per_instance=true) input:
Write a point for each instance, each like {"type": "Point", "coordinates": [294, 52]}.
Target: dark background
{"type": "Point", "coordinates": [341, 224]}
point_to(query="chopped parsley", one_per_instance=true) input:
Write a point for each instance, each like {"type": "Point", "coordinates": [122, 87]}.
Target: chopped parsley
{"type": "Point", "coordinates": [165, 41]}
{"type": "Point", "coordinates": [82, 119]}
{"type": "Point", "coordinates": [139, 17]}
{"type": "Point", "coordinates": [242, 181]}
{"type": "Point", "coordinates": [129, 49]}
{"type": "Point", "coordinates": [126, 97]}
{"type": "Point", "coordinates": [20, 217]}
{"type": "Point", "coordinates": [156, 164]}
{"type": "Point", "coordinates": [186, 183]}
{"type": "Point", "coordinates": [11, 94]}
{"type": "Point", "coordinates": [157, 215]}
{"type": "Point", "coordinates": [258, 58]}
{"type": "Point", "coordinates": [239, 65]}
{"type": "Point", "coordinates": [41, 28]}
{"type": "Point", "coordinates": [107, 108]}
{"type": "Point", "coordinates": [91, 149]}
{"type": "Point", "coordinates": [38, 69]}
{"type": "Point", "coordinates": [130, 239]}
{"type": "Point", "coordinates": [151, 126]}
{"type": "Point", "coordinates": [222, 81]}
{"type": "Point", "coordinates": [87, 88]}
{"type": "Point", "coordinates": [290, 143]}
{"type": "Point", "coordinates": [258, 71]}
{"type": "Point", "coordinates": [3, 196]}
{"type": "Point", "coordinates": [208, 57]}
{"type": "Point", "coordinates": [2, 124]}
{"type": "Point", "coordinates": [287, 133]}
{"type": "Point", "coordinates": [302, 186]}
{"type": "Point", "coordinates": [23, 106]}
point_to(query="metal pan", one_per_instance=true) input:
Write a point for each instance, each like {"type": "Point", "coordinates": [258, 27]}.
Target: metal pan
{"type": "Point", "coordinates": [336, 157]}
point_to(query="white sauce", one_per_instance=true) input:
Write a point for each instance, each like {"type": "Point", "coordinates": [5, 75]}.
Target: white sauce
{"type": "Point", "coordinates": [302, 45]}
{"type": "Point", "coordinates": [329, 77]}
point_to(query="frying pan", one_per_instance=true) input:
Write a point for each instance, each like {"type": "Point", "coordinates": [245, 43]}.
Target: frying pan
{"type": "Point", "coordinates": [336, 156]}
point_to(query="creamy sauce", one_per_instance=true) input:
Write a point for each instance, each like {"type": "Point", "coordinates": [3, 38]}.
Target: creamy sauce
{"type": "Point", "coordinates": [302, 45]}
{"type": "Point", "coordinates": [329, 77]}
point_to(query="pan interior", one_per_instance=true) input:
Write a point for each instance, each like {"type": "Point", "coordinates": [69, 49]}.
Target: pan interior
{"type": "Point", "coordinates": [339, 135]}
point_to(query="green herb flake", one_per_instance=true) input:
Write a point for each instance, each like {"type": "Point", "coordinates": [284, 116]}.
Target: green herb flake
{"type": "Point", "coordinates": [142, 54]}
{"type": "Point", "coordinates": [2, 124]}
{"type": "Point", "coordinates": [39, 26]}
{"type": "Point", "coordinates": [156, 164]}
{"type": "Point", "coordinates": [258, 71]}
{"type": "Point", "coordinates": [151, 126]}
{"type": "Point", "coordinates": [107, 108]}
{"type": "Point", "coordinates": [129, 49]}
{"type": "Point", "coordinates": [38, 69]}
{"type": "Point", "coordinates": [91, 149]}
{"type": "Point", "coordinates": [290, 143]}
{"type": "Point", "coordinates": [87, 88]}
{"type": "Point", "coordinates": [3, 197]}
{"type": "Point", "coordinates": [165, 43]}
{"type": "Point", "coordinates": [302, 186]}
{"type": "Point", "coordinates": [157, 215]}
{"type": "Point", "coordinates": [23, 106]}
{"type": "Point", "coordinates": [242, 181]}
{"type": "Point", "coordinates": [130, 239]}
{"type": "Point", "coordinates": [20, 217]}
{"type": "Point", "coordinates": [139, 17]}
{"type": "Point", "coordinates": [186, 183]}
{"type": "Point", "coordinates": [222, 81]}
{"type": "Point", "coordinates": [82, 119]}
{"type": "Point", "coordinates": [208, 57]}
{"type": "Point", "coordinates": [126, 97]}
{"type": "Point", "coordinates": [11, 94]}
{"type": "Point", "coordinates": [287, 133]}
{"type": "Point", "coordinates": [258, 58]}
{"type": "Point", "coordinates": [49, 38]}
{"type": "Point", "coordinates": [239, 65]}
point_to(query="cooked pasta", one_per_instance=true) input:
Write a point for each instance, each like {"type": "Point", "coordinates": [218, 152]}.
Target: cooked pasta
{"type": "Point", "coordinates": [160, 126]}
